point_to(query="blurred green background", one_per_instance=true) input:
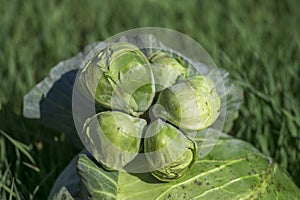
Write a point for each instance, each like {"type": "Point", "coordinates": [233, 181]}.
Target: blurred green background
{"type": "Point", "coordinates": [257, 41]}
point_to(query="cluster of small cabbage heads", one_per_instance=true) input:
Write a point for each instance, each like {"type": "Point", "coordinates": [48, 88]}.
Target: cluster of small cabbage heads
{"type": "Point", "coordinates": [131, 87]}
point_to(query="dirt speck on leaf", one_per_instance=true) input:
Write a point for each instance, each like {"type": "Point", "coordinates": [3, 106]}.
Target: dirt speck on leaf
{"type": "Point", "coordinates": [198, 183]}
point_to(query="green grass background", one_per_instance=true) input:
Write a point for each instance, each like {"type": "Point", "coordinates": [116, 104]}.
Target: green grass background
{"type": "Point", "coordinates": [257, 41]}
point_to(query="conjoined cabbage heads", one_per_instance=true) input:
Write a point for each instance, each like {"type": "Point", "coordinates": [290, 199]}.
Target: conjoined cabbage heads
{"type": "Point", "coordinates": [131, 86]}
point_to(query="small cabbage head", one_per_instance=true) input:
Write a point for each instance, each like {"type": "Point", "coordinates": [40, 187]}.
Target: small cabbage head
{"type": "Point", "coordinates": [168, 151]}
{"type": "Point", "coordinates": [120, 77]}
{"type": "Point", "coordinates": [166, 70]}
{"type": "Point", "coordinates": [191, 104]}
{"type": "Point", "coordinates": [114, 138]}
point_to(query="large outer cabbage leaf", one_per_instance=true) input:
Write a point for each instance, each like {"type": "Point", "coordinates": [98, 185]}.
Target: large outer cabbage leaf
{"type": "Point", "coordinates": [233, 169]}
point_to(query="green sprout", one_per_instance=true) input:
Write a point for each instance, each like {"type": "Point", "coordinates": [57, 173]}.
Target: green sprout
{"type": "Point", "coordinates": [120, 77]}
{"type": "Point", "coordinates": [191, 104]}
{"type": "Point", "coordinates": [114, 138]}
{"type": "Point", "coordinates": [166, 70]}
{"type": "Point", "coordinates": [169, 152]}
